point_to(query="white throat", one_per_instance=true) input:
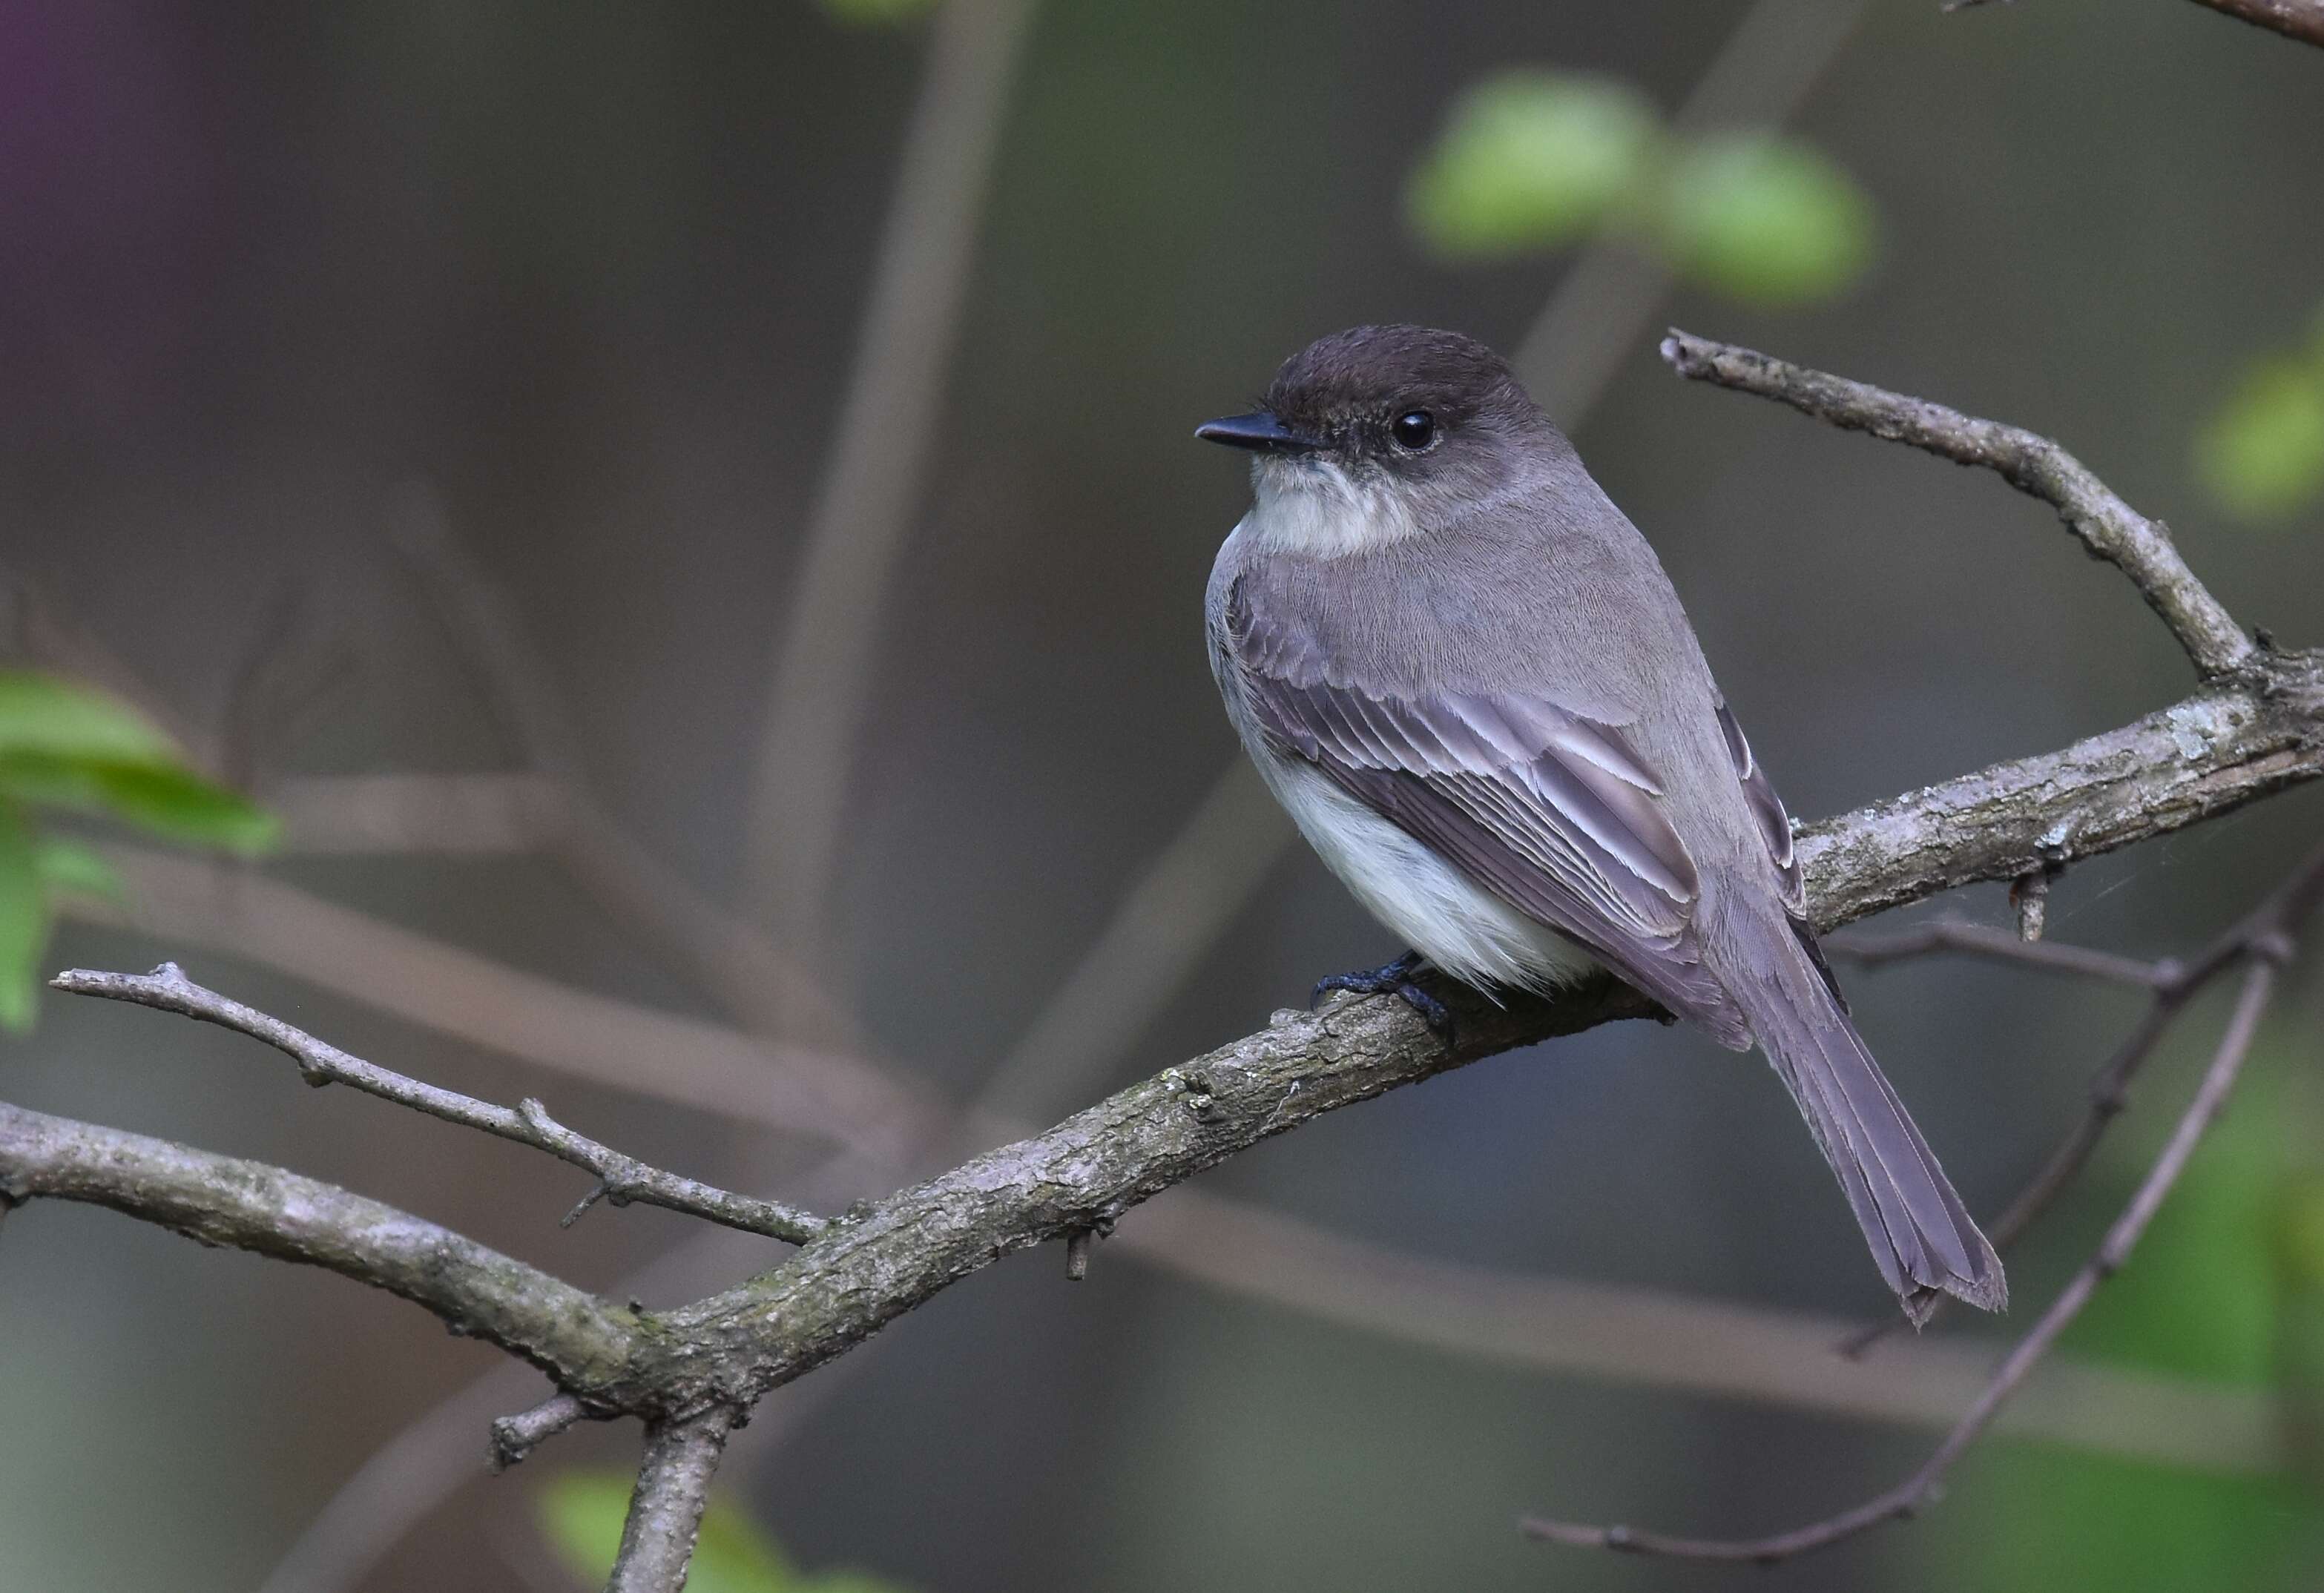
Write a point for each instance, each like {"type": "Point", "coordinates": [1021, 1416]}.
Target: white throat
{"type": "Point", "coordinates": [1312, 506]}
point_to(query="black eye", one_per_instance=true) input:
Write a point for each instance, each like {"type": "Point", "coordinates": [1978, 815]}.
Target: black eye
{"type": "Point", "coordinates": [1413, 430]}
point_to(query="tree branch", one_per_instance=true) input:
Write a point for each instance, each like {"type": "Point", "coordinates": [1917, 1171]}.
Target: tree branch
{"type": "Point", "coordinates": [620, 1178]}
{"type": "Point", "coordinates": [574, 1337]}
{"type": "Point", "coordinates": [666, 1509]}
{"type": "Point", "coordinates": [2109, 528]}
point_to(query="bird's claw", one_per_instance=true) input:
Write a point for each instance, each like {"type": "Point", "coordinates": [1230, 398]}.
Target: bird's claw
{"type": "Point", "coordinates": [1391, 978]}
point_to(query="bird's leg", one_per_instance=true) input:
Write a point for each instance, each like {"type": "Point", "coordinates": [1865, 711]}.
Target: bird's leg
{"type": "Point", "coordinates": [1391, 977]}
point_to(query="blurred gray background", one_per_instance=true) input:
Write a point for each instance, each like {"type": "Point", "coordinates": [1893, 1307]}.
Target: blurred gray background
{"type": "Point", "coordinates": [581, 285]}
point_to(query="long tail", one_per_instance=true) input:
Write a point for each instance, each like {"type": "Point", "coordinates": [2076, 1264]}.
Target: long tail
{"type": "Point", "coordinates": [1918, 1230]}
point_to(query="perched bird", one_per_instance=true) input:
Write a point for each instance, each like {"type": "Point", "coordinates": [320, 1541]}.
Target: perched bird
{"type": "Point", "coordinates": [1463, 672]}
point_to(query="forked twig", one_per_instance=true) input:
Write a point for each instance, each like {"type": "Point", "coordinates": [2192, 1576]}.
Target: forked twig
{"type": "Point", "coordinates": [2260, 944]}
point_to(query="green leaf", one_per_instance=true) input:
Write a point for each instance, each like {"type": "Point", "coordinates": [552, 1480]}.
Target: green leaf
{"type": "Point", "coordinates": [183, 806]}
{"type": "Point", "coordinates": [1531, 160]}
{"type": "Point", "coordinates": [1763, 218]}
{"type": "Point", "coordinates": [161, 797]}
{"type": "Point", "coordinates": [46, 779]}
{"type": "Point", "coordinates": [73, 867]}
{"type": "Point", "coordinates": [581, 1515]}
{"type": "Point", "coordinates": [2262, 456]}
{"type": "Point", "coordinates": [24, 920]}
{"type": "Point", "coordinates": [50, 718]}
{"type": "Point", "coordinates": [877, 13]}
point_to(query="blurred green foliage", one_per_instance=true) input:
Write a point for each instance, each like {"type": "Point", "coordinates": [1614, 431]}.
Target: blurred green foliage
{"type": "Point", "coordinates": [2215, 1295]}
{"type": "Point", "coordinates": [65, 747]}
{"type": "Point", "coordinates": [2262, 454]}
{"type": "Point", "coordinates": [1532, 160]}
{"type": "Point", "coordinates": [1529, 160]}
{"type": "Point", "coordinates": [1763, 218]}
{"type": "Point", "coordinates": [581, 1515]}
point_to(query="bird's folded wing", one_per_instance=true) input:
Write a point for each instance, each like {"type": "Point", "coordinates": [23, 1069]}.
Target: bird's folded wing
{"type": "Point", "coordinates": [1553, 812]}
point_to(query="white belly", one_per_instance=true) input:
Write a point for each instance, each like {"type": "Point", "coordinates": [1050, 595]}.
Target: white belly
{"type": "Point", "coordinates": [1435, 908]}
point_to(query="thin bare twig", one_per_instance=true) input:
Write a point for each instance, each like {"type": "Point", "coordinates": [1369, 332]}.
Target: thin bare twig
{"type": "Point", "coordinates": [1872, 951]}
{"type": "Point", "coordinates": [2261, 945]}
{"type": "Point", "coordinates": [2109, 528]}
{"type": "Point", "coordinates": [620, 1178]}
{"type": "Point", "coordinates": [515, 1437]}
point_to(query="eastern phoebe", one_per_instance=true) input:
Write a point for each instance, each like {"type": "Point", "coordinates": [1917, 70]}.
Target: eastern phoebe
{"type": "Point", "coordinates": [1465, 675]}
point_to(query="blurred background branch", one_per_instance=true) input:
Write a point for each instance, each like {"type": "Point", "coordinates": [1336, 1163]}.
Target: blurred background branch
{"type": "Point", "coordinates": [875, 472]}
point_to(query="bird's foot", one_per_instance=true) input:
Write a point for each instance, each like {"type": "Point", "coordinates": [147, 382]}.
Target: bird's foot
{"type": "Point", "coordinates": [1391, 978]}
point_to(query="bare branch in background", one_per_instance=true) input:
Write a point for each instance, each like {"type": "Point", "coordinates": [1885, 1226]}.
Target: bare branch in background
{"type": "Point", "coordinates": [621, 1179]}
{"type": "Point", "coordinates": [871, 489]}
{"type": "Point", "coordinates": [1874, 951]}
{"type": "Point", "coordinates": [2260, 946]}
{"type": "Point", "coordinates": [740, 964]}
{"type": "Point", "coordinates": [2109, 528]}
{"type": "Point", "coordinates": [577, 1033]}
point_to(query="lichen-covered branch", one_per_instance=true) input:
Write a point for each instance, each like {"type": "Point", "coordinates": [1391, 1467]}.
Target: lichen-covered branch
{"type": "Point", "coordinates": [577, 1338]}
{"type": "Point", "coordinates": [2108, 527]}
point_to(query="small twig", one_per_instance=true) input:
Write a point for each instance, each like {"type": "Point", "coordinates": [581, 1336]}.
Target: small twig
{"type": "Point", "coordinates": [2029, 895]}
{"type": "Point", "coordinates": [2294, 19]}
{"type": "Point", "coordinates": [1873, 950]}
{"type": "Point", "coordinates": [515, 1437]}
{"type": "Point", "coordinates": [666, 1511]}
{"type": "Point", "coordinates": [2109, 528]}
{"type": "Point", "coordinates": [620, 1178]}
{"type": "Point", "coordinates": [1918, 1490]}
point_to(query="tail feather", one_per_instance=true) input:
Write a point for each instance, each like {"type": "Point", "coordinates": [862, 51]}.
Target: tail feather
{"type": "Point", "coordinates": [1921, 1235]}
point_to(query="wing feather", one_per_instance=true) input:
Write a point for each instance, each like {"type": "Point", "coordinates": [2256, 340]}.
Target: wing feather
{"type": "Point", "coordinates": [1553, 811]}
